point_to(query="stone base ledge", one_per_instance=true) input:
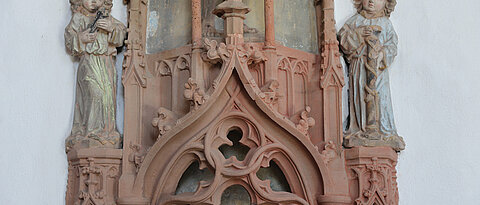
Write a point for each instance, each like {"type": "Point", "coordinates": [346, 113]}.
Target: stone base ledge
{"type": "Point", "coordinates": [133, 201]}
{"type": "Point", "coordinates": [357, 153]}
{"type": "Point", "coordinates": [334, 200]}
{"type": "Point", "coordinates": [99, 153]}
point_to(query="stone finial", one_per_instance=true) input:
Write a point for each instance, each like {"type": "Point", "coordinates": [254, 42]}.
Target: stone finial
{"type": "Point", "coordinates": [233, 12]}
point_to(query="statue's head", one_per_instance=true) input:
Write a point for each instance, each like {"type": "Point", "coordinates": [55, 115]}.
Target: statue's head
{"type": "Point", "coordinates": [91, 5]}
{"type": "Point", "coordinates": [376, 6]}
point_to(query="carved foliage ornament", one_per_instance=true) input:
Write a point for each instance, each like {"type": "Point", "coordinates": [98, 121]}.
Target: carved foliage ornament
{"type": "Point", "coordinates": [164, 121]}
{"type": "Point", "coordinates": [247, 53]}
{"type": "Point", "coordinates": [305, 121]}
{"type": "Point", "coordinates": [194, 94]}
{"type": "Point", "coordinates": [329, 153]}
{"type": "Point", "coordinates": [230, 56]}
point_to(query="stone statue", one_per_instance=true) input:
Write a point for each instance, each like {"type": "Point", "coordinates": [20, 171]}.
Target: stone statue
{"type": "Point", "coordinates": [93, 36]}
{"type": "Point", "coordinates": [369, 43]}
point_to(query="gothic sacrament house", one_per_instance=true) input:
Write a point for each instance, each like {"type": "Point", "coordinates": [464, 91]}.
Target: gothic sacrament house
{"type": "Point", "coordinates": [231, 102]}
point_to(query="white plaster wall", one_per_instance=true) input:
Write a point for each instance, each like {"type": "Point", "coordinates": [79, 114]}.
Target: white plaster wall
{"type": "Point", "coordinates": [434, 86]}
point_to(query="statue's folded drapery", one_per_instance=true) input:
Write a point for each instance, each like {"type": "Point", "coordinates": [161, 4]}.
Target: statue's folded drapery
{"type": "Point", "coordinates": [95, 104]}
{"type": "Point", "coordinates": [355, 49]}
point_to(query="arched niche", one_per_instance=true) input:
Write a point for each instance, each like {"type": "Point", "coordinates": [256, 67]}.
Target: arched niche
{"type": "Point", "coordinates": [294, 74]}
{"type": "Point", "coordinates": [200, 138]}
{"type": "Point", "coordinates": [266, 169]}
{"type": "Point", "coordinates": [172, 74]}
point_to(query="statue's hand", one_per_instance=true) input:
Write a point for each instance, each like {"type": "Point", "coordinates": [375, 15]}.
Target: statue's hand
{"type": "Point", "coordinates": [376, 28]}
{"type": "Point", "coordinates": [369, 30]}
{"type": "Point", "coordinates": [87, 37]}
{"type": "Point", "coordinates": [365, 31]}
{"type": "Point", "coordinates": [105, 25]}
{"type": "Point", "coordinates": [380, 59]}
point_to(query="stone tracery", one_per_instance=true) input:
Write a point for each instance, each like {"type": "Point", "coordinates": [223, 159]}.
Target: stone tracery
{"type": "Point", "coordinates": [225, 107]}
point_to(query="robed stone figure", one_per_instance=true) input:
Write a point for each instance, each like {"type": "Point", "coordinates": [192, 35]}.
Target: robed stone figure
{"type": "Point", "coordinates": [369, 43]}
{"type": "Point", "coordinates": [93, 36]}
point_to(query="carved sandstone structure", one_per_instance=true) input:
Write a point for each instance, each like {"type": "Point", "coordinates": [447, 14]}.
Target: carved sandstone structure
{"type": "Point", "coordinates": [226, 103]}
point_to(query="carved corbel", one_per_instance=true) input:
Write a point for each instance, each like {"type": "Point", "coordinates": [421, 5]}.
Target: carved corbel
{"type": "Point", "coordinates": [164, 121]}
{"type": "Point", "coordinates": [194, 94]}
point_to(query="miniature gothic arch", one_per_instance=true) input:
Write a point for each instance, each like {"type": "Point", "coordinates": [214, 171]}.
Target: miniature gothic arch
{"type": "Point", "coordinates": [265, 148]}
{"type": "Point", "coordinates": [238, 168]}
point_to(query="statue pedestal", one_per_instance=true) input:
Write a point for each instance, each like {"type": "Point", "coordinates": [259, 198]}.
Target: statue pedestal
{"type": "Point", "coordinates": [372, 175]}
{"type": "Point", "coordinates": [93, 176]}
{"type": "Point", "coordinates": [361, 139]}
